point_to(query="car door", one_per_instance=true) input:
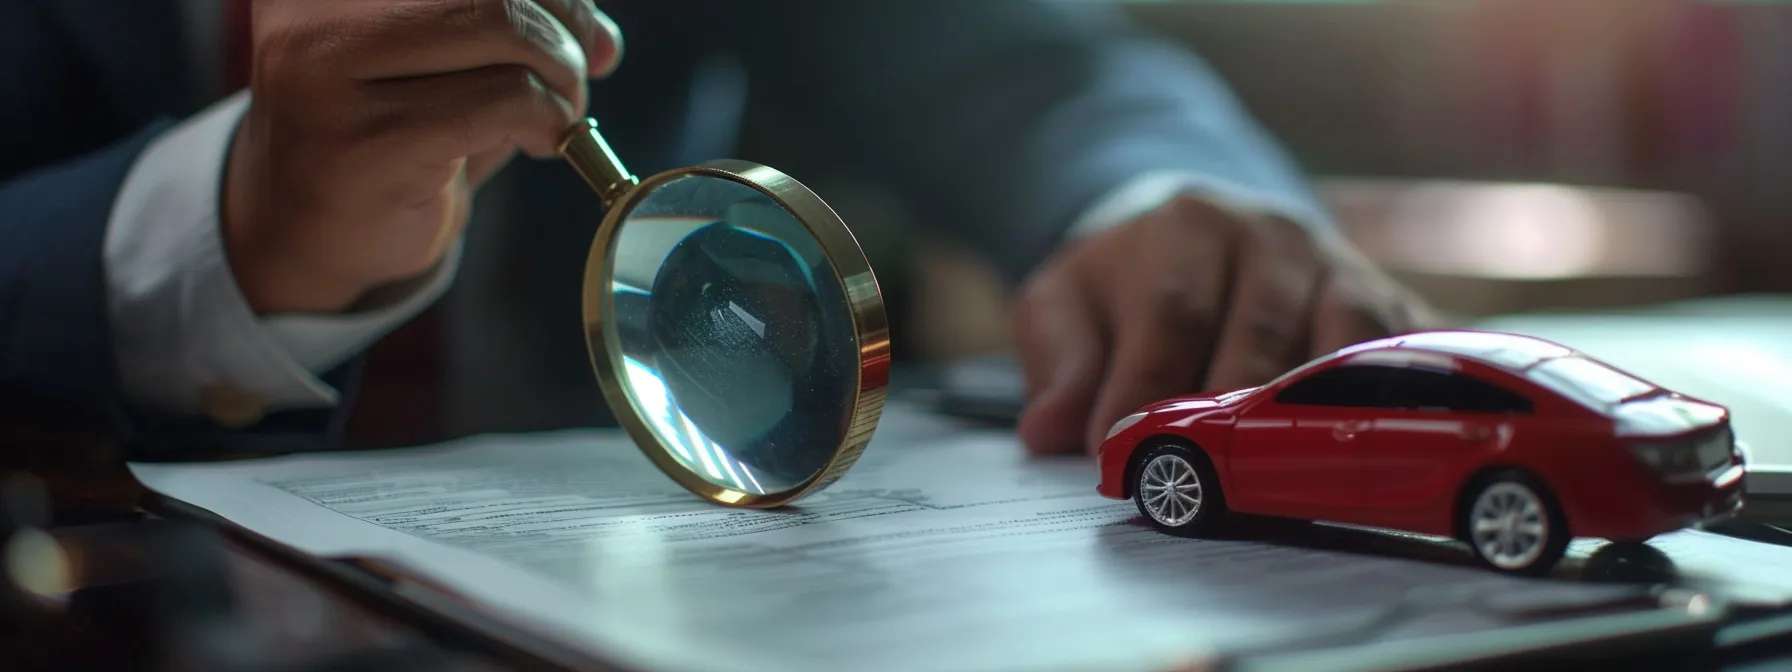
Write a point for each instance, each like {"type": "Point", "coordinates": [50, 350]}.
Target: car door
{"type": "Point", "coordinates": [1296, 453]}
{"type": "Point", "coordinates": [1438, 424]}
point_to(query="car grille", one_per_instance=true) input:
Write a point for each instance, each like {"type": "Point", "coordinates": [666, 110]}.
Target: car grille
{"type": "Point", "coordinates": [1715, 448]}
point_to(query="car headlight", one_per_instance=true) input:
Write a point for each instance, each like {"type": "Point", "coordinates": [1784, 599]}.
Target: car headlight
{"type": "Point", "coordinates": [1125, 422]}
{"type": "Point", "coordinates": [1670, 459]}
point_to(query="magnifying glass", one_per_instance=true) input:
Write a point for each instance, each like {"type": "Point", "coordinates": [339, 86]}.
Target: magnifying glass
{"type": "Point", "coordinates": [733, 323]}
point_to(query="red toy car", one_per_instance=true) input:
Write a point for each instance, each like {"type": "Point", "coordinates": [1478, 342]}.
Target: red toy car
{"type": "Point", "coordinates": [1509, 443]}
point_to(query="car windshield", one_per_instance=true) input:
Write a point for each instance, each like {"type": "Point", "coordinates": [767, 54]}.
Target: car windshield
{"type": "Point", "coordinates": [1588, 382]}
{"type": "Point", "coordinates": [1507, 350]}
{"type": "Point", "coordinates": [1291, 373]}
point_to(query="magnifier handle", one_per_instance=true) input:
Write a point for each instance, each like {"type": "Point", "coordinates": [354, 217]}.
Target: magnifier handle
{"type": "Point", "coordinates": [591, 155]}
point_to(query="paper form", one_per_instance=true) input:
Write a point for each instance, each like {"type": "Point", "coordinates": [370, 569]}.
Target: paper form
{"type": "Point", "coordinates": [944, 549]}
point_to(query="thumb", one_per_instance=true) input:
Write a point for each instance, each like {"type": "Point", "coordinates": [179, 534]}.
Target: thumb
{"type": "Point", "coordinates": [1059, 337]}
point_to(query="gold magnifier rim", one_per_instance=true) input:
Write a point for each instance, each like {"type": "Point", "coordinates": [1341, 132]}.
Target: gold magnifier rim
{"type": "Point", "coordinates": [851, 269]}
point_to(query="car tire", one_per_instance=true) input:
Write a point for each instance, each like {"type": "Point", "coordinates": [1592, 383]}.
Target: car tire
{"type": "Point", "coordinates": [1513, 524]}
{"type": "Point", "coordinates": [1195, 507]}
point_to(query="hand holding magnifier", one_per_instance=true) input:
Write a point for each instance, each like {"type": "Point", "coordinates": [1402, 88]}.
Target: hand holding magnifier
{"type": "Point", "coordinates": [734, 325]}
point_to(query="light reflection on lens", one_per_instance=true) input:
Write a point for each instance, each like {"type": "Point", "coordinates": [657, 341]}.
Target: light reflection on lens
{"type": "Point", "coordinates": [657, 401]}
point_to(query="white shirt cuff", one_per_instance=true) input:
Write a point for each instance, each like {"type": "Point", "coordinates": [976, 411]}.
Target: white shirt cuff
{"type": "Point", "coordinates": [184, 336]}
{"type": "Point", "coordinates": [1151, 191]}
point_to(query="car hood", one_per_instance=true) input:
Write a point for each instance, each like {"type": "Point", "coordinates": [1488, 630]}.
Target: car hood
{"type": "Point", "coordinates": [1666, 415]}
{"type": "Point", "coordinates": [1198, 402]}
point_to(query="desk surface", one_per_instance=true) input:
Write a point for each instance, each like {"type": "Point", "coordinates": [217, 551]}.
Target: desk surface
{"type": "Point", "coordinates": [302, 619]}
{"type": "Point", "coordinates": [119, 615]}
{"type": "Point", "coordinates": [295, 620]}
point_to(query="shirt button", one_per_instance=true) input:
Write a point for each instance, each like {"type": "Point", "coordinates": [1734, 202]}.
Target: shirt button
{"type": "Point", "coordinates": [232, 406]}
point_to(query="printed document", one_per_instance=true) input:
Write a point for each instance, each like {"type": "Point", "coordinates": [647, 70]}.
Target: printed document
{"type": "Point", "coordinates": [946, 548]}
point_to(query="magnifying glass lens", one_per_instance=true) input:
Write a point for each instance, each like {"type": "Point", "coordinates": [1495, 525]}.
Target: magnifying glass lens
{"type": "Point", "coordinates": [732, 336]}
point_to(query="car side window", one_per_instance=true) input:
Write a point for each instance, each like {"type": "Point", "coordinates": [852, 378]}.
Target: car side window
{"type": "Point", "coordinates": [1350, 385]}
{"type": "Point", "coordinates": [1420, 388]}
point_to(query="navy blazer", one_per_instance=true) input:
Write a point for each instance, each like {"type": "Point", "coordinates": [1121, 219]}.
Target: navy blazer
{"type": "Point", "coordinates": [85, 85]}
{"type": "Point", "coordinates": [1002, 120]}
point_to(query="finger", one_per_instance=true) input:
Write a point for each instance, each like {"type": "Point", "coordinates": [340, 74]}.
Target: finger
{"type": "Point", "coordinates": [456, 212]}
{"type": "Point", "coordinates": [1347, 313]}
{"type": "Point", "coordinates": [1269, 314]}
{"type": "Point", "coordinates": [482, 166]}
{"type": "Point", "coordinates": [1163, 328]}
{"type": "Point", "coordinates": [1058, 333]}
{"type": "Point", "coordinates": [1422, 316]}
{"type": "Point", "coordinates": [422, 38]}
{"type": "Point", "coordinates": [597, 33]}
{"type": "Point", "coordinates": [434, 120]}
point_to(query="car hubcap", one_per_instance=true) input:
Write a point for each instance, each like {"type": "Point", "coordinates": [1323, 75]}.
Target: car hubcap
{"type": "Point", "coordinates": [1509, 527]}
{"type": "Point", "coordinates": [1171, 490]}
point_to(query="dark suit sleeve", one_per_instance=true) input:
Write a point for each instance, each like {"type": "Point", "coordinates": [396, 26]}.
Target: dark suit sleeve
{"type": "Point", "coordinates": [57, 369]}
{"type": "Point", "coordinates": [1006, 120]}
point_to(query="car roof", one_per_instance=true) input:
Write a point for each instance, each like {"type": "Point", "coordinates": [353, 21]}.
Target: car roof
{"type": "Point", "coordinates": [1512, 352]}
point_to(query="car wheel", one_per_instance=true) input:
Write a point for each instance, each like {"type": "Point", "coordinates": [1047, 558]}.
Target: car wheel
{"type": "Point", "coordinates": [1176, 489]}
{"type": "Point", "coordinates": [1513, 525]}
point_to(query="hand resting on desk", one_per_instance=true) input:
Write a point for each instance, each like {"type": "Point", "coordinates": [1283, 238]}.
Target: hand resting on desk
{"type": "Point", "coordinates": [1188, 298]}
